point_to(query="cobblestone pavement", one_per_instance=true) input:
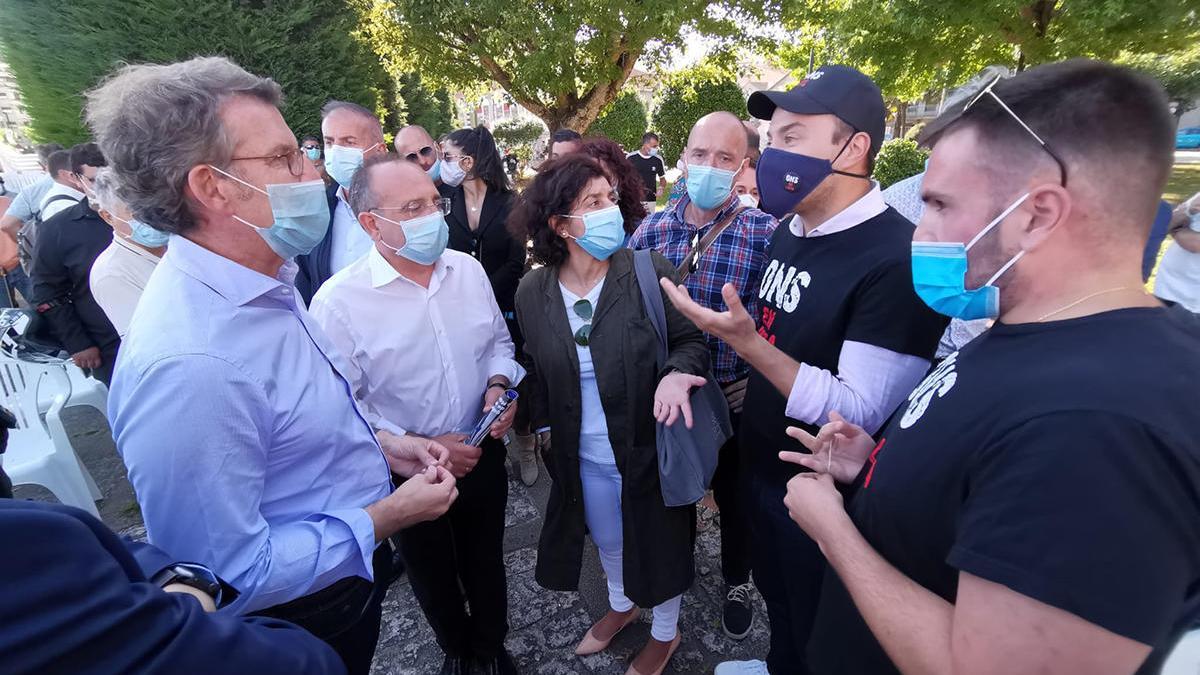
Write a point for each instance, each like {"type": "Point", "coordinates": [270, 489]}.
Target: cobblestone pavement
{"type": "Point", "coordinates": [544, 625]}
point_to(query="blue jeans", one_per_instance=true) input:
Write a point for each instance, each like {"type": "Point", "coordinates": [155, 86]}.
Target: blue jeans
{"type": "Point", "coordinates": [18, 281]}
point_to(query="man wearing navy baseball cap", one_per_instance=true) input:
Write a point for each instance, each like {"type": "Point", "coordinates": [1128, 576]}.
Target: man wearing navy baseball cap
{"type": "Point", "coordinates": [839, 327]}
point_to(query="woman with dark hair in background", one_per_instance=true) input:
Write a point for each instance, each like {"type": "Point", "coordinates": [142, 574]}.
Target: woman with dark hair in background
{"type": "Point", "coordinates": [474, 180]}
{"type": "Point", "coordinates": [592, 350]}
{"type": "Point", "coordinates": [622, 176]}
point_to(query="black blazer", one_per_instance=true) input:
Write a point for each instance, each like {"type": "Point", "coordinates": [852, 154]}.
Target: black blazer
{"type": "Point", "coordinates": [502, 256]}
{"type": "Point", "coordinates": [314, 267]}
{"type": "Point", "coordinates": [66, 247]}
{"type": "Point", "coordinates": [658, 558]}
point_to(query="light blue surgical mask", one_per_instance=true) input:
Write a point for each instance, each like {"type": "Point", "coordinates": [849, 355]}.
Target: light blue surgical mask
{"type": "Point", "coordinates": [144, 235]}
{"type": "Point", "coordinates": [435, 172]}
{"type": "Point", "coordinates": [313, 153]}
{"type": "Point", "coordinates": [707, 186]}
{"type": "Point", "coordinates": [342, 163]}
{"type": "Point", "coordinates": [603, 232]}
{"type": "Point", "coordinates": [425, 238]}
{"type": "Point", "coordinates": [939, 271]}
{"type": "Point", "coordinates": [301, 213]}
{"type": "Point", "coordinates": [147, 236]}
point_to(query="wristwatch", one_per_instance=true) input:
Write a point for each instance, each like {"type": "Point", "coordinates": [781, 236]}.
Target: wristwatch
{"type": "Point", "coordinates": [498, 384]}
{"type": "Point", "coordinates": [195, 576]}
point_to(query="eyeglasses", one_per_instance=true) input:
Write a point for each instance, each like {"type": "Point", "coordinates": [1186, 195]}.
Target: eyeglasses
{"type": "Point", "coordinates": [987, 91]}
{"type": "Point", "coordinates": [451, 158]}
{"type": "Point", "coordinates": [416, 209]}
{"type": "Point", "coordinates": [583, 310]}
{"type": "Point", "coordinates": [294, 158]}
{"type": "Point", "coordinates": [426, 151]}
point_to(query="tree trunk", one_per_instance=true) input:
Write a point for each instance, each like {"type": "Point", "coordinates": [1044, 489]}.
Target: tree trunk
{"type": "Point", "coordinates": [901, 119]}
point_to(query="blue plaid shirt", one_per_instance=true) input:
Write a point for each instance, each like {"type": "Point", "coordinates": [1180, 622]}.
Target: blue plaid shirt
{"type": "Point", "coordinates": [737, 256]}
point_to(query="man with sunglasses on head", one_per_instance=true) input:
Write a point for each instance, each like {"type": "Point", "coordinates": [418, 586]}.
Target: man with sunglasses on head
{"type": "Point", "coordinates": [352, 133]}
{"type": "Point", "coordinates": [414, 144]}
{"type": "Point", "coordinates": [230, 407]}
{"type": "Point", "coordinates": [429, 353]}
{"type": "Point", "coordinates": [838, 328]}
{"type": "Point", "coordinates": [1033, 506]}
{"type": "Point", "coordinates": [714, 239]}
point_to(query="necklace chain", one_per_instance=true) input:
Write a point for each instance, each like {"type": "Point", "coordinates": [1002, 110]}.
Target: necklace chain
{"type": "Point", "coordinates": [1085, 299]}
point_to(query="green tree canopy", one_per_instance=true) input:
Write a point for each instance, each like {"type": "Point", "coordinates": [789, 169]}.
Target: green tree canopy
{"type": "Point", "coordinates": [913, 46]}
{"type": "Point", "coordinates": [687, 96]}
{"type": "Point", "coordinates": [429, 108]}
{"type": "Point", "coordinates": [1178, 72]}
{"type": "Point", "coordinates": [58, 50]}
{"type": "Point", "coordinates": [564, 61]}
{"type": "Point", "coordinates": [624, 121]}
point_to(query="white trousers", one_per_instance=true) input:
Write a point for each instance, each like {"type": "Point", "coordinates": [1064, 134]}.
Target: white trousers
{"type": "Point", "coordinates": [602, 511]}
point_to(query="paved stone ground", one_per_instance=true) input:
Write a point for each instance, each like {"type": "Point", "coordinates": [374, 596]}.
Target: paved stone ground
{"type": "Point", "coordinates": [544, 625]}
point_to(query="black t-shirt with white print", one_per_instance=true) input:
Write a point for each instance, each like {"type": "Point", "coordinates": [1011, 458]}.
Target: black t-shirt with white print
{"type": "Point", "coordinates": [818, 292]}
{"type": "Point", "coordinates": [650, 169]}
{"type": "Point", "coordinates": [1059, 459]}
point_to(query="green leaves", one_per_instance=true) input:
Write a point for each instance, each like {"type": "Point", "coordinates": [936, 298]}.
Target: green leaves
{"type": "Point", "coordinates": [564, 60]}
{"type": "Point", "coordinates": [913, 46]}
{"type": "Point", "coordinates": [311, 47]}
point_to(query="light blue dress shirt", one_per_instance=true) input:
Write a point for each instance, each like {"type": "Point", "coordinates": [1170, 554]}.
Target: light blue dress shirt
{"type": "Point", "coordinates": [29, 201]}
{"type": "Point", "coordinates": [239, 432]}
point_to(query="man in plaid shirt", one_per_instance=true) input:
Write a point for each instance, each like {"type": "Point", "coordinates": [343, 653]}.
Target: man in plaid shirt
{"type": "Point", "coordinates": [716, 152]}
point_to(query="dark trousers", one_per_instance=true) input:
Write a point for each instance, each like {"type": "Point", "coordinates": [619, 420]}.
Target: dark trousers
{"type": "Point", "coordinates": [456, 563]}
{"type": "Point", "coordinates": [345, 615]}
{"type": "Point", "coordinates": [787, 571]}
{"type": "Point", "coordinates": [728, 493]}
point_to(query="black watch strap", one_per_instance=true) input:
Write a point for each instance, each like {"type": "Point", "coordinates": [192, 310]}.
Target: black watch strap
{"type": "Point", "coordinates": [498, 384]}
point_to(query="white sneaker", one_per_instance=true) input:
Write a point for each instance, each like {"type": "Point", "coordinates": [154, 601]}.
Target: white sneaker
{"type": "Point", "coordinates": [742, 668]}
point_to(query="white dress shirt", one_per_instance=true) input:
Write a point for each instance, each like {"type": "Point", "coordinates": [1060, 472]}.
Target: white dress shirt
{"type": "Point", "coordinates": [349, 241]}
{"type": "Point", "coordinates": [118, 278]}
{"type": "Point", "coordinates": [871, 380]}
{"type": "Point", "coordinates": [419, 358]}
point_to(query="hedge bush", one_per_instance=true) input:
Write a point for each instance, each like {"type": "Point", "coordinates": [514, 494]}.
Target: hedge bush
{"type": "Point", "coordinates": [898, 159]}
{"type": "Point", "coordinates": [58, 50]}
{"type": "Point", "coordinates": [687, 96]}
{"type": "Point", "coordinates": [623, 121]}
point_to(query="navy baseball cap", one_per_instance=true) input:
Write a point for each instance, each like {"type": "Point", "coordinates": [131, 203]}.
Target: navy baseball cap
{"type": "Point", "coordinates": [841, 91]}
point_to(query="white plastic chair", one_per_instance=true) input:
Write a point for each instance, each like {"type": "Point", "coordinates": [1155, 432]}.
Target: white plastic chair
{"type": "Point", "coordinates": [41, 454]}
{"type": "Point", "coordinates": [54, 376]}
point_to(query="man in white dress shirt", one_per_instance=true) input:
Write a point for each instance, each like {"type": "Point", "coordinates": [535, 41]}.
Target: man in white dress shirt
{"type": "Point", "coordinates": [428, 351]}
{"type": "Point", "coordinates": [120, 273]}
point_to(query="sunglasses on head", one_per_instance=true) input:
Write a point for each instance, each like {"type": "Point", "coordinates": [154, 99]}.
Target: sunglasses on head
{"type": "Point", "coordinates": [988, 92]}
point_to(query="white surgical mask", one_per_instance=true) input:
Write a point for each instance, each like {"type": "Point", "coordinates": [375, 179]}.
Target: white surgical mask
{"type": "Point", "coordinates": [748, 199]}
{"type": "Point", "coordinates": [452, 173]}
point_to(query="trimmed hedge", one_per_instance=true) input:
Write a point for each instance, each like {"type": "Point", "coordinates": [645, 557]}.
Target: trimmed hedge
{"type": "Point", "coordinates": [57, 50]}
{"type": "Point", "coordinates": [689, 95]}
{"type": "Point", "coordinates": [623, 121]}
{"type": "Point", "coordinates": [898, 159]}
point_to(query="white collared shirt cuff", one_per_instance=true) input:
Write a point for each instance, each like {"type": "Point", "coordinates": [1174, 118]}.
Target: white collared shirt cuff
{"type": "Point", "coordinates": [509, 368]}
{"type": "Point", "coordinates": [381, 424]}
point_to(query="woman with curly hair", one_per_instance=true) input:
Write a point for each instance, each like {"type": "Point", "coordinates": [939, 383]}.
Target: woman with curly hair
{"type": "Point", "coordinates": [622, 176]}
{"type": "Point", "coordinates": [592, 350]}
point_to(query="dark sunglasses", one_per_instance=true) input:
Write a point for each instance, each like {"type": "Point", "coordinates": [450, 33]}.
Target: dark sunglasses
{"type": "Point", "coordinates": [583, 310]}
{"type": "Point", "coordinates": [426, 151]}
